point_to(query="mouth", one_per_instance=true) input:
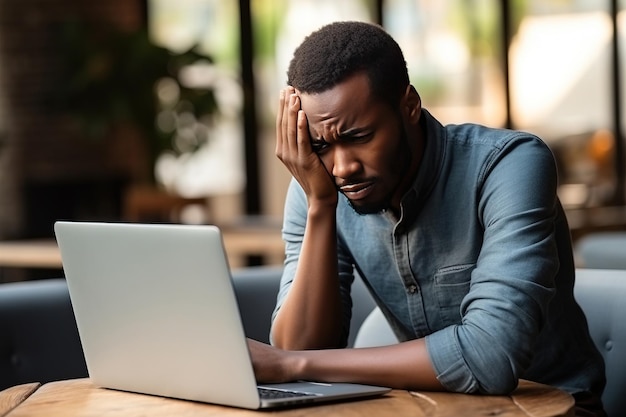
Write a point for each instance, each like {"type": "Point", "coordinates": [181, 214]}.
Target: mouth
{"type": "Point", "coordinates": [357, 191]}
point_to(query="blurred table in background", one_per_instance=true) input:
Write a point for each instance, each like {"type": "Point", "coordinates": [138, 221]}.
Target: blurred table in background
{"type": "Point", "coordinates": [42, 253]}
{"type": "Point", "coordinates": [152, 204]}
{"type": "Point", "coordinates": [241, 240]}
{"type": "Point", "coordinates": [583, 221]}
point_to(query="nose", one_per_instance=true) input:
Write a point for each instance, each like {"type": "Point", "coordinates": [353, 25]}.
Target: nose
{"type": "Point", "coordinates": [345, 163]}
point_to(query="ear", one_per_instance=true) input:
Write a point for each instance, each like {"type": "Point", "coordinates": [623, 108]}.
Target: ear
{"type": "Point", "coordinates": [412, 104]}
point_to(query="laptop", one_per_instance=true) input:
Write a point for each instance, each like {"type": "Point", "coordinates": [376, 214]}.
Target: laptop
{"type": "Point", "coordinates": [157, 314]}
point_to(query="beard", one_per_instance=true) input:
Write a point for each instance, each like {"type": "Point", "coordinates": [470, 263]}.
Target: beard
{"type": "Point", "coordinates": [370, 208]}
{"type": "Point", "coordinates": [384, 203]}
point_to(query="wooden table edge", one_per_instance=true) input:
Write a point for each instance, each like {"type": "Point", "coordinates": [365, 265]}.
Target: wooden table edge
{"type": "Point", "coordinates": [82, 397]}
{"type": "Point", "coordinates": [537, 399]}
{"type": "Point", "coordinates": [529, 399]}
{"type": "Point", "coordinates": [13, 396]}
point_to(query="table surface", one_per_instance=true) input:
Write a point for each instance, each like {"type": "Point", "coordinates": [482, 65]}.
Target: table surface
{"type": "Point", "coordinates": [79, 397]}
{"type": "Point", "coordinates": [14, 396]}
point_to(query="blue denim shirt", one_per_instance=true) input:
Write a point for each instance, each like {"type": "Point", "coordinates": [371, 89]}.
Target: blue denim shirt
{"type": "Point", "coordinates": [480, 263]}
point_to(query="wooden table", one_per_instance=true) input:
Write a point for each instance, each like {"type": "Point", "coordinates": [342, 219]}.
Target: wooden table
{"type": "Point", "coordinates": [80, 397]}
{"type": "Point", "coordinates": [14, 396]}
{"type": "Point", "coordinates": [239, 242]}
{"type": "Point", "coordinates": [39, 253]}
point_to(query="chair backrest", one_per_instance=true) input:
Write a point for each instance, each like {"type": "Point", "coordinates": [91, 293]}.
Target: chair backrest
{"type": "Point", "coordinates": [257, 287]}
{"type": "Point", "coordinates": [375, 331]}
{"type": "Point", "coordinates": [38, 336]}
{"type": "Point", "coordinates": [602, 250]}
{"type": "Point", "coordinates": [601, 294]}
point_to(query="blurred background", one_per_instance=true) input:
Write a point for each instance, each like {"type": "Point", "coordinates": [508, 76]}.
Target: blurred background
{"type": "Point", "coordinates": [163, 110]}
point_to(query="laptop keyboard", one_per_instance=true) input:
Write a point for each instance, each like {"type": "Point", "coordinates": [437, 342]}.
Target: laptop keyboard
{"type": "Point", "coordinates": [270, 394]}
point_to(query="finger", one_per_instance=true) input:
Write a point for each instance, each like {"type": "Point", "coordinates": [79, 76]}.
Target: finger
{"type": "Point", "coordinates": [279, 123]}
{"type": "Point", "coordinates": [285, 122]}
{"type": "Point", "coordinates": [292, 123]}
{"type": "Point", "coordinates": [304, 141]}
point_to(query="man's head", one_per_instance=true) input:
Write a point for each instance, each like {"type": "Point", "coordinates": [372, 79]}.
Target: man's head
{"type": "Point", "coordinates": [361, 112]}
{"type": "Point", "coordinates": [339, 50]}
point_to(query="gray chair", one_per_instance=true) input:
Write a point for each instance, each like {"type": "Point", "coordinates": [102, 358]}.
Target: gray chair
{"type": "Point", "coordinates": [601, 250]}
{"type": "Point", "coordinates": [38, 336]}
{"type": "Point", "coordinates": [257, 287]}
{"type": "Point", "coordinates": [601, 294]}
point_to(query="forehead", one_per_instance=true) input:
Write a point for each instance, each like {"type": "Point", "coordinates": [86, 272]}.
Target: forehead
{"type": "Point", "coordinates": [348, 104]}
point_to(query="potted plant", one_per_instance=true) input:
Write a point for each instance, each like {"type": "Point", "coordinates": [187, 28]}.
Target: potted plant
{"type": "Point", "coordinates": [112, 78]}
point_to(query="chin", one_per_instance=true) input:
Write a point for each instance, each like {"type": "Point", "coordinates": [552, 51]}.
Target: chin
{"type": "Point", "coordinates": [368, 208]}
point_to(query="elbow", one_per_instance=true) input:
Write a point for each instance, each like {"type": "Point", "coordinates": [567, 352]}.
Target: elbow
{"type": "Point", "coordinates": [499, 386]}
{"type": "Point", "coordinates": [493, 368]}
{"type": "Point", "coordinates": [488, 383]}
{"type": "Point", "coordinates": [499, 379]}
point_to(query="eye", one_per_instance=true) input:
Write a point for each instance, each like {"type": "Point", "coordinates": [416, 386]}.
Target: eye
{"type": "Point", "coordinates": [360, 138]}
{"type": "Point", "coordinates": [319, 146]}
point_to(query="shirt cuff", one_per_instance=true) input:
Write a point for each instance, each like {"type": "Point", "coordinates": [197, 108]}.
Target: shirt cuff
{"type": "Point", "coordinates": [445, 355]}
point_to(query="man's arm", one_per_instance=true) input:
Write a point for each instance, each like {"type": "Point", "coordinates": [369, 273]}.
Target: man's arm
{"type": "Point", "coordinates": [403, 366]}
{"type": "Point", "coordinates": [308, 317]}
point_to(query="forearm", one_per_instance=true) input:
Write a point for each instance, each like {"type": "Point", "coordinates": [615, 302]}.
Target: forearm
{"type": "Point", "coordinates": [311, 315]}
{"type": "Point", "coordinates": [403, 366]}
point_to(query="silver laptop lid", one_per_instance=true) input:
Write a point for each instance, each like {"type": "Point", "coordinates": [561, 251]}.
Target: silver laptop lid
{"type": "Point", "coordinates": [156, 310]}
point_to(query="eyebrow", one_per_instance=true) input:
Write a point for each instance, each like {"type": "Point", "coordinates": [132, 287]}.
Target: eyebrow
{"type": "Point", "coordinates": [355, 131]}
{"type": "Point", "coordinates": [346, 134]}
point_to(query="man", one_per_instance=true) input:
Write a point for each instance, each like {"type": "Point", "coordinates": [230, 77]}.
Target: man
{"type": "Point", "coordinates": [456, 230]}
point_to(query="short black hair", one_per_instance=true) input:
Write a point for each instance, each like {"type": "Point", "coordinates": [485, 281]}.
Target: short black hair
{"type": "Point", "coordinates": [339, 50]}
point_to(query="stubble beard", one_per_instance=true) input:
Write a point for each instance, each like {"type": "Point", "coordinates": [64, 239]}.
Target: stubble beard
{"type": "Point", "coordinates": [384, 203]}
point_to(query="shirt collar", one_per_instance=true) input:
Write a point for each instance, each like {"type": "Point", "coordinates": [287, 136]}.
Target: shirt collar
{"type": "Point", "coordinates": [429, 169]}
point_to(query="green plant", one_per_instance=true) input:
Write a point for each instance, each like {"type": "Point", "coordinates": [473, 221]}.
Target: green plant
{"type": "Point", "coordinates": [109, 77]}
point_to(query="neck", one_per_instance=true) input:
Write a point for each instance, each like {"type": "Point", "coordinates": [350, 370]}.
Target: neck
{"type": "Point", "coordinates": [416, 141]}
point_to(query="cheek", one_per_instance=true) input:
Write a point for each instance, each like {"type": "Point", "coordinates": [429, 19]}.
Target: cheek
{"type": "Point", "coordinates": [392, 160]}
{"type": "Point", "coordinates": [327, 161]}
{"type": "Point", "coordinates": [384, 155]}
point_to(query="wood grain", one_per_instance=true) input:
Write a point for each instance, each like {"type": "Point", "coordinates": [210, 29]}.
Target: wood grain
{"type": "Point", "coordinates": [81, 398]}
{"type": "Point", "coordinates": [542, 400]}
{"type": "Point", "coordinates": [530, 399]}
{"type": "Point", "coordinates": [14, 396]}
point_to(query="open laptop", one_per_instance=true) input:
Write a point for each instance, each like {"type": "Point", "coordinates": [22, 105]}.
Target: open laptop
{"type": "Point", "coordinates": [157, 314]}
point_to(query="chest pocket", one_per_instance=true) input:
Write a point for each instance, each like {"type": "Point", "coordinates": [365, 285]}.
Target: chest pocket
{"type": "Point", "coordinates": [451, 285]}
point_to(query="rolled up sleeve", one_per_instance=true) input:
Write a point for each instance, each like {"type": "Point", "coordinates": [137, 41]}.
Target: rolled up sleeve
{"type": "Point", "coordinates": [513, 281]}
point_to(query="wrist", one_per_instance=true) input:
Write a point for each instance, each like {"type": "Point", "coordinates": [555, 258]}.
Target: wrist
{"type": "Point", "coordinates": [322, 207]}
{"type": "Point", "coordinates": [295, 365]}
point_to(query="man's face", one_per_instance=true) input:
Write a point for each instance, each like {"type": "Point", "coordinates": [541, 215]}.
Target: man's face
{"type": "Point", "coordinates": [362, 143]}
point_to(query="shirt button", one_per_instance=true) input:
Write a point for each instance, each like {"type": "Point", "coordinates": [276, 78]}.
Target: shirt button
{"type": "Point", "coordinates": [412, 289]}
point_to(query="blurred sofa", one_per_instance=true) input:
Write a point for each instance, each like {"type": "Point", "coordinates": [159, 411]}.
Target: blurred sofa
{"type": "Point", "coordinates": [39, 340]}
